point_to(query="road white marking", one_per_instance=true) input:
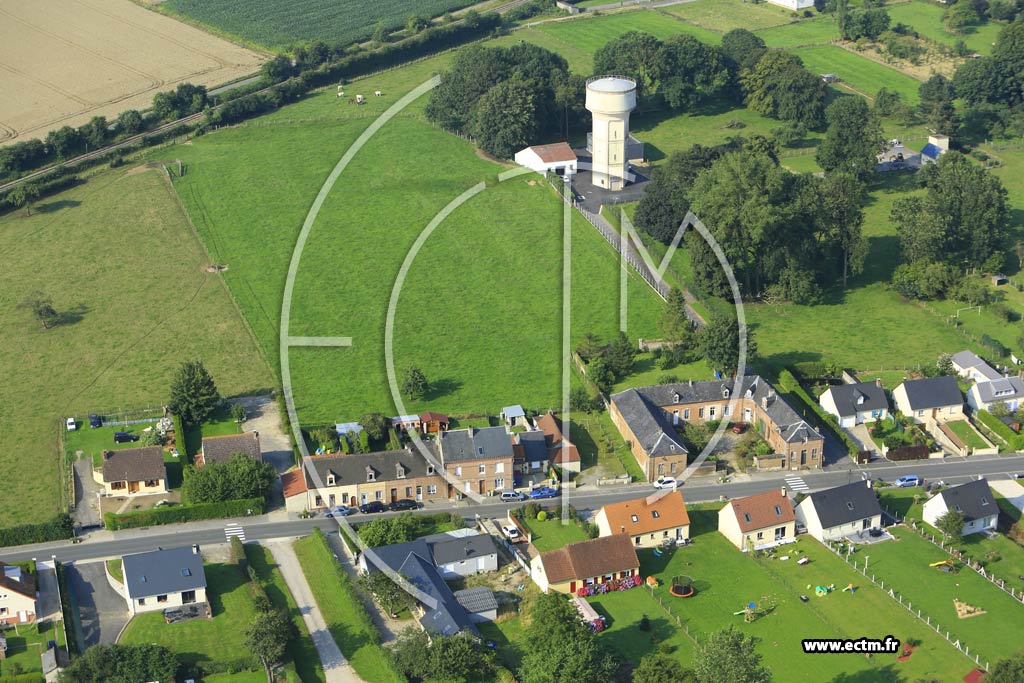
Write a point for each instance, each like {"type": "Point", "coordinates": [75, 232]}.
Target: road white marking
{"type": "Point", "coordinates": [796, 483]}
{"type": "Point", "coordinates": [234, 530]}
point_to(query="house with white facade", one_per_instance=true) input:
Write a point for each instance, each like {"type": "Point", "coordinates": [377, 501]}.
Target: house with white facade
{"type": "Point", "coordinates": [973, 500]}
{"type": "Point", "coordinates": [835, 514]}
{"type": "Point", "coordinates": [557, 158]}
{"type": "Point", "coordinates": [855, 404]}
{"type": "Point", "coordinates": [969, 366]}
{"type": "Point", "coordinates": [1009, 390]}
{"type": "Point", "coordinates": [163, 579]}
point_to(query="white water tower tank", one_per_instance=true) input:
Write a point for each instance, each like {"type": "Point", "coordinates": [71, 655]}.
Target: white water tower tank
{"type": "Point", "coordinates": [610, 99]}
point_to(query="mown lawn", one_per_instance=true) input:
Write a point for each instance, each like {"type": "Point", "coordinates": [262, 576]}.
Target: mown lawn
{"type": "Point", "coordinates": [727, 580]}
{"type": "Point", "coordinates": [26, 644]}
{"type": "Point", "coordinates": [816, 31]}
{"type": "Point", "coordinates": [968, 434]}
{"type": "Point", "coordinates": [725, 15]}
{"type": "Point", "coordinates": [926, 19]}
{"type": "Point", "coordinates": [119, 259]}
{"type": "Point", "coordinates": [858, 72]}
{"type": "Point", "coordinates": [340, 606]}
{"type": "Point", "coordinates": [551, 534]}
{"type": "Point", "coordinates": [904, 566]}
{"type": "Point", "coordinates": [221, 638]}
{"type": "Point", "coordinates": [301, 650]}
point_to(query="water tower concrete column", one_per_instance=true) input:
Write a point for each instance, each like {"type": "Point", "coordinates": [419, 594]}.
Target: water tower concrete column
{"type": "Point", "coordinates": [610, 99]}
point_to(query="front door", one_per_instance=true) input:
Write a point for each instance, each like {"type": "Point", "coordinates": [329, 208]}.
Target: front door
{"type": "Point", "coordinates": [330, 501]}
{"type": "Point", "coordinates": [746, 415]}
{"type": "Point", "coordinates": [394, 495]}
{"type": "Point", "coordinates": [133, 487]}
{"type": "Point", "coordinates": [866, 524]}
{"type": "Point", "coordinates": [419, 493]}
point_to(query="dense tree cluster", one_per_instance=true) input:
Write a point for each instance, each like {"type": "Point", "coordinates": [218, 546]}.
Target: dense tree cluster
{"type": "Point", "coordinates": [992, 87]}
{"type": "Point", "coordinates": [433, 657]}
{"type": "Point", "coordinates": [866, 23]}
{"type": "Point", "coordinates": [506, 97]}
{"type": "Point", "coordinates": [194, 394]}
{"type": "Point", "coordinates": [853, 139]}
{"type": "Point", "coordinates": [960, 222]}
{"type": "Point", "coordinates": [561, 649]}
{"type": "Point", "coordinates": [121, 664]}
{"type": "Point", "coordinates": [780, 87]}
{"type": "Point", "coordinates": [239, 478]}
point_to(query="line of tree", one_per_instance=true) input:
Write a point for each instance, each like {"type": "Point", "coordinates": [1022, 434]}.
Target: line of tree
{"type": "Point", "coordinates": [241, 477]}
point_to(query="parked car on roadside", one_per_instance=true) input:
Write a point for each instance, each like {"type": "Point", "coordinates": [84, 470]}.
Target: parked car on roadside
{"type": "Point", "coordinates": [511, 496]}
{"type": "Point", "coordinates": [403, 504]}
{"type": "Point", "coordinates": [125, 437]}
{"type": "Point", "coordinates": [907, 480]}
{"type": "Point", "coordinates": [95, 421]}
{"type": "Point", "coordinates": [340, 511]}
{"type": "Point", "coordinates": [372, 506]}
{"type": "Point", "coordinates": [543, 492]}
{"type": "Point", "coordinates": [666, 483]}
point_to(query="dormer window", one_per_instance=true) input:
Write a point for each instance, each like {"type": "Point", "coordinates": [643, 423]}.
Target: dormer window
{"type": "Point", "coordinates": [430, 469]}
{"type": "Point", "coordinates": [400, 470]}
{"type": "Point", "coordinates": [778, 511]}
{"type": "Point", "coordinates": [725, 392]}
{"type": "Point", "coordinates": [479, 450]}
{"type": "Point", "coordinates": [746, 516]}
{"type": "Point", "coordinates": [370, 475]}
{"type": "Point", "coordinates": [984, 501]}
{"type": "Point", "coordinates": [849, 505]}
{"type": "Point", "coordinates": [860, 400]}
{"type": "Point", "coordinates": [330, 480]}
{"type": "Point", "coordinates": [675, 397]}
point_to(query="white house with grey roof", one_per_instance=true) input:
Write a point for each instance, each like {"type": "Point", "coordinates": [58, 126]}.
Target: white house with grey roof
{"type": "Point", "coordinates": [855, 404]}
{"type": "Point", "coordinates": [163, 579]}
{"type": "Point", "coordinates": [845, 511]}
{"type": "Point", "coordinates": [973, 500]}
{"type": "Point", "coordinates": [984, 394]}
{"type": "Point", "coordinates": [969, 366]}
{"type": "Point", "coordinates": [930, 400]}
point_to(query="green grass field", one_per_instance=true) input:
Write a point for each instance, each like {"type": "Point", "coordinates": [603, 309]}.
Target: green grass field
{"type": "Point", "coordinates": [200, 640]}
{"type": "Point", "coordinates": [117, 256]}
{"type": "Point", "coordinates": [551, 534]}
{"type": "Point", "coordinates": [336, 605]}
{"type": "Point", "coordinates": [725, 15]}
{"type": "Point", "coordinates": [26, 644]}
{"type": "Point", "coordinates": [278, 25]}
{"type": "Point", "coordinates": [816, 31]}
{"type": "Point", "coordinates": [727, 579]}
{"type": "Point", "coordinates": [858, 72]}
{"type": "Point", "coordinates": [926, 18]}
{"type": "Point", "coordinates": [968, 434]}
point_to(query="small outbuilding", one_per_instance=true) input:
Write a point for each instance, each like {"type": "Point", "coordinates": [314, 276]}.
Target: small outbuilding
{"type": "Point", "coordinates": [514, 416]}
{"type": "Point", "coordinates": [479, 603]}
{"type": "Point", "coordinates": [433, 422]}
{"type": "Point", "coordinates": [556, 158]}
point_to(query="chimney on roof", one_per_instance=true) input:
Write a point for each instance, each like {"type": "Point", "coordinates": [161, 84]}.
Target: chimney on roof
{"type": "Point", "coordinates": [878, 382]}
{"type": "Point", "coordinates": [622, 529]}
{"type": "Point", "coordinates": [783, 491]}
{"type": "Point", "coordinates": [195, 548]}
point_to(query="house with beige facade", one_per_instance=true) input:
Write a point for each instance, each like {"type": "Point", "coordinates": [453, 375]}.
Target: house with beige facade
{"type": "Point", "coordinates": [164, 579]}
{"type": "Point", "coordinates": [17, 596]}
{"type": "Point", "coordinates": [477, 461]}
{"type": "Point", "coordinates": [583, 564]}
{"type": "Point", "coordinates": [649, 521]}
{"type": "Point", "coordinates": [648, 417]}
{"type": "Point", "coordinates": [133, 471]}
{"type": "Point", "coordinates": [930, 400]}
{"type": "Point", "coordinates": [760, 521]}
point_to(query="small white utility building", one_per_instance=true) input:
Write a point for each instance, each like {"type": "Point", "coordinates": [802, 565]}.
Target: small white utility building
{"type": "Point", "coordinates": [793, 4]}
{"type": "Point", "coordinates": [557, 158]}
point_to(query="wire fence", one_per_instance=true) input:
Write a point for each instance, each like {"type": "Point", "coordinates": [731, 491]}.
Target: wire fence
{"type": "Point", "coordinates": [968, 562]}
{"type": "Point", "coordinates": [862, 569]}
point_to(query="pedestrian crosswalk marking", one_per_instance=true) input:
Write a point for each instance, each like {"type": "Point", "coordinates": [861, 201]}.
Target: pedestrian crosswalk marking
{"type": "Point", "coordinates": [797, 483]}
{"type": "Point", "coordinates": [234, 530]}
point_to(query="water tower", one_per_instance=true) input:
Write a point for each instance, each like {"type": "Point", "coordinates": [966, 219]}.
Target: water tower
{"type": "Point", "coordinates": [610, 99]}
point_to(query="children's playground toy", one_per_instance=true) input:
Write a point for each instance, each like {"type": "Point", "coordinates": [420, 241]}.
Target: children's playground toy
{"type": "Point", "coordinates": [822, 591]}
{"type": "Point", "coordinates": [682, 587]}
{"type": "Point", "coordinates": [947, 565]}
{"type": "Point", "coordinates": [849, 587]}
{"type": "Point", "coordinates": [652, 581]}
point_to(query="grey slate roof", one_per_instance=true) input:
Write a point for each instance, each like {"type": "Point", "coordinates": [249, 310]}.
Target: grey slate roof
{"type": "Point", "coordinates": [787, 421]}
{"type": "Point", "coordinates": [438, 549]}
{"type": "Point", "coordinates": [535, 446]}
{"type": "Point", "coordinates": [851, 399]}
{"type": "Point", "coordinates": [163, 571]}
{"type": "Point", "coordinates": [220, 449]}
{"type": "Point", "coordinates": [489, 443]}
{"type": "Point", "coordinates": [969, 359]}
{"type": "Point", "coordinates": [649, 423]}
{"type": "Point", "coordinates": [973, 499]}
{"type": "Point", "coordinates": [933, 392]}
{"type": "Point", "coordinates": [513, 411]}
{"type": "Point", "coordinates": [445, 616]}
{"type": "Point", "coordinates": [844, 504]}
{"type": "Point", "coordinates": [351, 469]}
{"type": "Point", "coordinates": [477, 600]}
{"type": "Point", "coordinates": [134, 464]}
{"type": "Point", "coordinates": [1002, 389]}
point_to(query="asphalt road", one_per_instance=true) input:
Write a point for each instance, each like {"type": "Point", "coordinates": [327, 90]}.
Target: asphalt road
{"type": "Point", "coordinates": [952, 470]}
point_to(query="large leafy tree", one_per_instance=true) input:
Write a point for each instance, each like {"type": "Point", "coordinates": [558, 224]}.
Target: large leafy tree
{"type": "Point", "coordinates": [664, 204]}
{"type": "Point", "coordinates": [121, 664]}
{"type": "Point", "coordinates": [1009, 670]}
{"type": "Point", "coordinates": [375, 424]}
{"type": "Point", "coordinates": [238, 478]}
{"type": "Point", "coordinates": [506, 119]}
{"type": "Point", "coordinates": [633, 54]}
{"type": "Point", "coordinates": [560, 649]}
{"type": "Point", "coordinates": [692, 72]}
{"type": "Point", "coordinates": [743, 47]}
{"type": "Point", "coordinates": [388, 594]}
{"type": "Point", "coordinates": [433, 657]}
{"type": "Point", "coordinates": [658, 667]}
{"type": "Point", "coordinates": [780, 87]}
{"type": "Point", "coordinates": [979, 81]}
{"type": "Point", "coordinates": [729, 656]}
{"type": "Point", "coordinates": [194, 394]}
{"type": "Point", "coordinates": [866, 23]}
{"type": "Point", "coordinates": [936, 106]}
{"type": "Point", "coordinates": [853, 139]}
{"type": "Point", "coordinates": [268, 635]}
{"type": "Point", "coordinates": [414, 383]}
{"type": "Point", "coordinates": [720, 345]}
{"type": "Point", "coordinates": [841, 214]}
{"type": "Point", "coordinates": [389, 530]}
{"type": "Point", "coordinates": [620, 355]}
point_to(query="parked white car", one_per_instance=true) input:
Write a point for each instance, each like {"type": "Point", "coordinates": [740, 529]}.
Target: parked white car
{"type": "Point", "coordinates": [666, 483]}
{"type": "Point", "coordinates": [512, 532]}
{"type": "Point", "coordinates": [72, 425]}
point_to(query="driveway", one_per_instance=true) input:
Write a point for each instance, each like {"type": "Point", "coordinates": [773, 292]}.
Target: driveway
{"type": "Point", "coordinates": [102, 612]}
{"type": "Point", "coordinates": [336, 668]}
{"type": "Point", "coordinates": [862, 438]}
{"type": "Point", "coordinates": [48, 602]}
{"type": "Point", "coordinates": [1011, 490]}
{"type": "Point", "coordinates": [263, 415]}
{"type": "Point", "coordinates": [87, 504]}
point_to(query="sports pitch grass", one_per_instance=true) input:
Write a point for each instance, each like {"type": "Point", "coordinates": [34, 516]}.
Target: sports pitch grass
{"type": "Point", "coordinates": [119, 259]}
{"type": "Point", "coordinates": [926, 19]}
{"type": "Point", "coordinates": [725, 15]}
{"type": "Point", "coordinates": [480, 311]}
{"type": "Point", "coordinates": [858, 72]}
{"type": "Point", "coordinates": [817, 31]}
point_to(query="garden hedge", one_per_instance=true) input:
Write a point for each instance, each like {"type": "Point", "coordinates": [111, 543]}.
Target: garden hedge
{"type": "Point", "coordinates": [789, 384]}
{"type": "Point", "coordinates": [56, 529]}
{"type": "Point", "coordinates": [24, 678]}
{"type": "Point", "coordinates": [184, 513]}
{"type": "Point", "coordinates": [1013, 440]}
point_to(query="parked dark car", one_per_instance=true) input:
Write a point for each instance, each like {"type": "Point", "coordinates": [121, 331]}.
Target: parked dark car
{"type": "Point", "coordinates": [372, 506]}
{"type": "Point", "coordinates": [340, 511]}
{"type": "Point", "coordinates": [403, 504]}
{"type": "Point", "coordinates": [95, 421]}
{"type": "Point", "coordinates": [543, 492]}
{"type": "Point", "coordinates": [125, 437]}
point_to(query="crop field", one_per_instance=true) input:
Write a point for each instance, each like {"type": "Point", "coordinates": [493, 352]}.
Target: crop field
{"type": "Point", "coordinates": [858, 72]}
{"type": "Point", "coordinates": [277, 24]}
{"type": "Point", "coordinates": [480, 310]}
{"type": "Point", "coordinates": [125, 271]}
{"type": "Point", "coordinates": [61, 65]}
{"type": "Point", "coordinates": [725, 15]}
{"type": "Point", "coordinates": [926, 18]}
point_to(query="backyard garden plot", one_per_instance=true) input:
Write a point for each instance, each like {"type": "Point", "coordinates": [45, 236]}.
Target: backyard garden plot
{"type": "Point", "coordinates": [903, 565]}
{"type": "Point", "coordinates": [552, 534]}
{"type": "Point", "coordinates": [61, 59]}
{"type": "Point", "coordinates": [120, 261]}
{"type": "Point", "coordinates": [727, 580]}
{"type": "Point", "coordinates": [860, 73]}
{"type": "Point", "coordinates": [25, 645]}
{"type": "Point", "coordinates": [725, 15]}
{"type": "Point", "coordinates": [926, 19]}
{"type": "Point", "coordinates": [278, 25]}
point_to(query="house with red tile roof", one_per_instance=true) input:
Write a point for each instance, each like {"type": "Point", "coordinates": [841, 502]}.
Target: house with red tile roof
{"type": "Point", "coordinates": [562, 452]}
{"type": "Point", "coordinates": [598, 560]}
{"type": "Point", "coordinates": [760, 521]}
{"type": "Point", "coordinates": [647, 521]}
{"type": "Point", "coordinates": [557, 158]}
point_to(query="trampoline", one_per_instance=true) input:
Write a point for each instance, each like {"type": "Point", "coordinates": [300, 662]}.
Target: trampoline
{"type": "Point", "coordinates": [682, 587]}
